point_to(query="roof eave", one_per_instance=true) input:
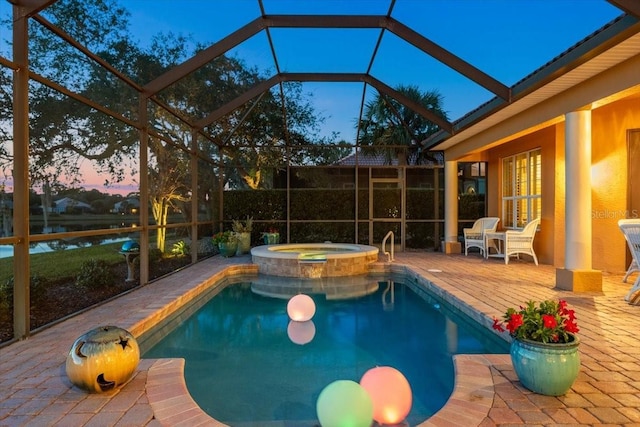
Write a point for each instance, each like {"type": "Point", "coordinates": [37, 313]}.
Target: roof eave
{"type": "Point", "coordinates": [582, 52]}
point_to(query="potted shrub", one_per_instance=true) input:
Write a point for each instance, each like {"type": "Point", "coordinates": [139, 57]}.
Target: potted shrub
{"type": "Point", "coordinates": [544, 349]}
{"type": "Point", "coordinates": [271, 237]}
{"type": "Point", "coordinates": [227, 242]}
{"type": "Point", "coordinates": [243, 233]}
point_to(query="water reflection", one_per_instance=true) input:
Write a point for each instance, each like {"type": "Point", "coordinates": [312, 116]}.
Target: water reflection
{"type": "Point", "coordinates": [6, 251]}
{"type": "Point", "coordinates": [333, 288]}
{"type": "Point", "coordinates": [65, 227]}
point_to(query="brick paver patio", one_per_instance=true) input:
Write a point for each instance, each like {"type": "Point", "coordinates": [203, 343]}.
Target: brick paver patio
{"type": "Point", "coordinates": [34, 390]}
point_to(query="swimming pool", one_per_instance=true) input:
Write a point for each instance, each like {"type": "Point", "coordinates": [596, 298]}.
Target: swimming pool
{"type": "Point", "coordinates": [242, 367]}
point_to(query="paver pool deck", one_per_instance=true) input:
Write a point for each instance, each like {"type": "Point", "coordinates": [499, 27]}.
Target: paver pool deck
{"type": "Point", "coordinates": [34, 390]}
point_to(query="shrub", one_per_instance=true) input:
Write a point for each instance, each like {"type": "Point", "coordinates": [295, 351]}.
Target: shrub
{"type": "Point", "coordinates": [181, 248]}
{"type": "Point", "coordinates": [155, 255]}
{"type": "Point", "coordinates": [37, 290]}
{"type": "Point", "coordinates": [207, 247]}
{"type": "Point", "coordinates": [240, 227]}
{"type": "Point", "coordinates": [224, 237]}
{"type": "Point", "coordinates": [38, 287]}
{"type": "Point", "coordinates": [94, 273]}
{"type": "Point", "coordinates": [6, 294]}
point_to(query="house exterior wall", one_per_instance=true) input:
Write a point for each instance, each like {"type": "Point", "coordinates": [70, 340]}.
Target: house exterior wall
{"type": "Point", "coordinates": [612, 94]}
{"type": "Point", "coordinates": [610, 161]}
{"type": "Point", "coordinates": [610, 125]}
{"type": "Point", "coordinates": [546, 140]}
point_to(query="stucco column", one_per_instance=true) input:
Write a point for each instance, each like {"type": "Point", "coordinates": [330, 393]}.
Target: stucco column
{"type": "Point", "coordinates": [451, 243]}
{"type": "Point", "coordinates": [578, 274]}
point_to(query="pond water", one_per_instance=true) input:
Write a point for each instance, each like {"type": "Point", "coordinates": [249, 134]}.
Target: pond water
{"type": "Point", "coordinates": [6, 251]}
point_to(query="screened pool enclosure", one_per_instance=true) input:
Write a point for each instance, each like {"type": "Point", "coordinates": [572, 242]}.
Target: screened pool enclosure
{"type": "Point", "coordinates": [114, 128]}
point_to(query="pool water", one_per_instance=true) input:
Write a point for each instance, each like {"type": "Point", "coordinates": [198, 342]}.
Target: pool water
{"type": "Point", "coordinates": [242, 367]}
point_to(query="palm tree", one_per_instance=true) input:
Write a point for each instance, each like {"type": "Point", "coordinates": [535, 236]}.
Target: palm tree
{"type": "Point", "coordinates": [394, 130]}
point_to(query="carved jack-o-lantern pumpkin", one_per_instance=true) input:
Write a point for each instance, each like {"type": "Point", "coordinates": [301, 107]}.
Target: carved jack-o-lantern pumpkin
{"type": "Point", "coordinates": [102, 359]}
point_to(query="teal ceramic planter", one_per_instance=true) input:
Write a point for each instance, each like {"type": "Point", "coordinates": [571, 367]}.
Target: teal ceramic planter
{"type": "Point", "coordinates": [228, 249]}
{"type": "Point", "coordinates": [548, 369]}
{"type": "Point", "coordinates": [271, 238]}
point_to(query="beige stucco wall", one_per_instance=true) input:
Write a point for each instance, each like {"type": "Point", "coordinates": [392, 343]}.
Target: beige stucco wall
{"type": "Point", "coordinates": [544, 126]}
{"type": "Point", "coordinates": [610, 125]}
{"type": "Point", "coordinates": [545, 139]}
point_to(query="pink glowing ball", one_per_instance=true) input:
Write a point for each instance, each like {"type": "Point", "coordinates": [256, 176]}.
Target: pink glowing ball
{"type": "Point", "coordinates": [301, 308]}
{"type": "Point", "coordinates": [390, 393]}
{"type": "Point", "coordinates": [301, 333]}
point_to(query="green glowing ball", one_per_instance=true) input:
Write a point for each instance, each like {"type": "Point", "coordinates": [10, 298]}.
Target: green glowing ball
{"type": "Point", "coordinates": [344, 403]}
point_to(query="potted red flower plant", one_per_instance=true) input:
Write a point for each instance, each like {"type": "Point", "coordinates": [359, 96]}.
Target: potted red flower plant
{"type": "Point", "coordinates": [544, 349]}
{"type": "Point", "coordinates": [271, 236]}
{"type": "Point", "coordinates": [227, 242]}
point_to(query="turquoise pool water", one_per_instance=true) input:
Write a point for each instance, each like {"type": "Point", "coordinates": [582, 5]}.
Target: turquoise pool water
{"type": "Point", "coordinates": [243, 368]}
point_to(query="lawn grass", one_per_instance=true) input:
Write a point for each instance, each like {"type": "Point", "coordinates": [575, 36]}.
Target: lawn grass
{"type": "Point", "coordinates": [64, 263]}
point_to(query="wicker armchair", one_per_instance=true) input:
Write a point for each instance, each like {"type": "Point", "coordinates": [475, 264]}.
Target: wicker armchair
{"type": "Point", "coordinates": [474, 236]}
{"type": "Point", "coordinates": [518, 242]}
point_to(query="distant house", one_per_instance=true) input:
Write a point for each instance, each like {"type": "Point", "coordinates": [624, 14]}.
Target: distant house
{"type": "Point", "coordinates": [380, 159]}
{"type": "Point", "coordinates": [69, 205]}
{"type": "Point", "coordinates": [366, 160]}
{"type": "Point", "coordinates": [127, 206]}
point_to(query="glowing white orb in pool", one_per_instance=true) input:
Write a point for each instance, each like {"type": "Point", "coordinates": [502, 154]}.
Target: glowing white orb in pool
{"type": "Point", "coordinates": [301, 333]}
{"type": "Point", "coordinates": [390, 393]}
{"type": "Point", "coordinates": [344, 403]}
{"type": "Point", "coordinates": [301, 308]}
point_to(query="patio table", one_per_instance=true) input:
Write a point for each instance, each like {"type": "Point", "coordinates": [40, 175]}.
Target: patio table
{"type": "Point", "coordinates": [490, 239]}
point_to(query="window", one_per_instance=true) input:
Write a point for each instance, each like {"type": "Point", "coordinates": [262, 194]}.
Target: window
{"type": "Point", "coordinates": [472, 178]}
{"type": "Point", "coordinates": [521, 188]}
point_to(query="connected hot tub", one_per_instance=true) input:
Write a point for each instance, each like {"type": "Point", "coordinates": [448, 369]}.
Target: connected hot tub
{"type": "Point", "coordinates": [314, 260]}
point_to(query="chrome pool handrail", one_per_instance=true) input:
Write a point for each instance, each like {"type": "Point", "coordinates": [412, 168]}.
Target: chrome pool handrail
{"type": "Point", "coordinates": [384, 242]}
